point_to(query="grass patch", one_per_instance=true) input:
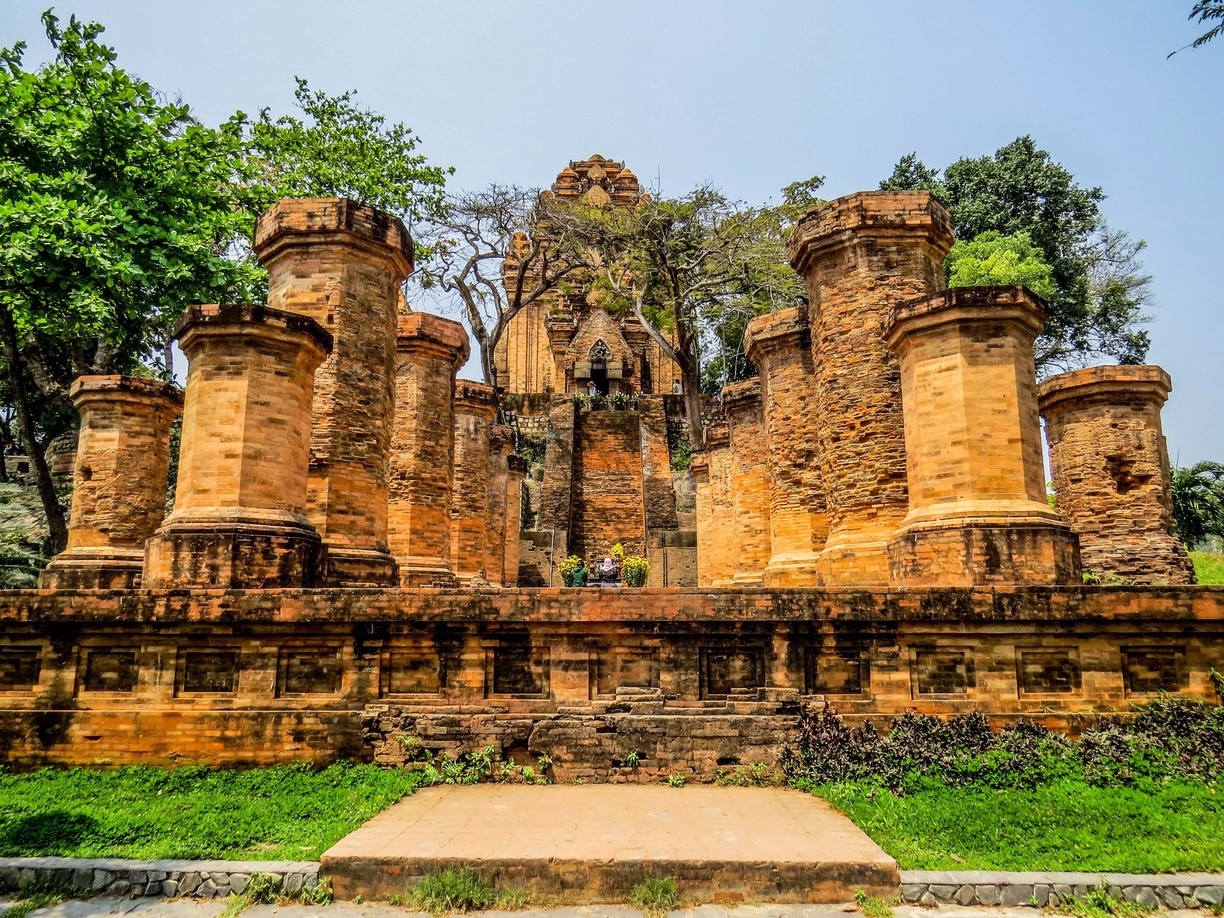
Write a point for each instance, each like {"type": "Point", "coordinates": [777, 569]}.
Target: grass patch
{"type": "Point", "coordinates": [31, 904]}
{"type": "Point", "coordinates": [1208, 567]}
{"type": "Point", "coordinates": [460, 890]}
{"type": "Point", "coordinates": [290, 812]}
{"type": "Point", "coordinates": [1100, 904]}
{"type": "Point", "coordinates": [1065, 825]}
{"type": "Point", "coordinates": [655, 895]}
{"type": "Point", "coordinates": [871, 907]}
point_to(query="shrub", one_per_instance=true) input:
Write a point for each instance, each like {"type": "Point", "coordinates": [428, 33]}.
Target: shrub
{"type": "Point", "coordinates": [635, 570]}
{"type": "Point", "coordinates": [618, 552]}
{"type": "Point", "coordinates": [655, 895]}
{"type": "Point", "coordinates": [453, 890]}
{"type": "Point", "coordinates": [566, 569]}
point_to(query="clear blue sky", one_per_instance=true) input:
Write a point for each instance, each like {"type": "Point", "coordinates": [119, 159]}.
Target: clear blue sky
{"type": "Point", "coordinates": [752, 96]}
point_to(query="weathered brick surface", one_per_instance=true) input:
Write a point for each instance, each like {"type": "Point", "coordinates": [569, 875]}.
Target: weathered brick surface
{"type": "Point", "coordinates": [779, 345]}
{"type": "Point", "coordinates": [658, 492]}
{"type": "Point", "coordinates": [716, 545]}
{"type": "Point", "coordinates": [501, 444]}
{"type": "Point", "coordinates": [516, 471]}
{"type": "Point", "coordinates": [429, 351]}
{"type": "Point", "coordinates": [684, 677]}
{"type": "Point", "coordinates": [861, 256]}
{"type": "Point", "coordinates": [750, 497]}
{"type": "Point", "coordinates": [239, 513]}
{"type": "Point", "coordinates": [608, 505]}
{"type": "Point", "coordinates": [475, 408]}
{"type": "Point", "coordinates": [977, 506]}
{"type": "Point", "coordinates": [342, 263]}
{"type": "Point", "coordinates": [557, 493]}
{"type": "Point", "coordinates": [1111, 471]}
{"type": "Point", "coordinates": [119, 480]}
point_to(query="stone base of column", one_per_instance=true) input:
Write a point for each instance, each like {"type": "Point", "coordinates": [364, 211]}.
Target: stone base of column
{"type": "Point", "coordinates": [856, 555]}
{"type": "Point", "coordinates": [427, 573]}
{"type": "Point", "coordinates": [360, 567]}
{"type": "Point", "coordinates": [747, 579]}
{"type": "Point", "coordinates": [984, 552]}
{"type": "Point", "coordinates": [796, 569]}
{"type": "Point", "coordinates": [1141, 558]}
{"type": "Point", "coordinates": [213, 554]}
{"type": "Point", "coordinates": [94, 569]}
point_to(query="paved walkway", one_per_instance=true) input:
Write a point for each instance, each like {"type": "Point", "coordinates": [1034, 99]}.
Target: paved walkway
{"type": "Point", "coordinates": [567, 843]}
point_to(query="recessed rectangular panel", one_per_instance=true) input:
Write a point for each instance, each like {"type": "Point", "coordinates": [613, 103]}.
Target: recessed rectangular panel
{"type": "Point", "coordinates": [519, 668]}
{"type": "Point", "coordinates": [1048, 672]}
{"type": "Point", "coordinates": [310, 672]}
{"type": "Point", "coordinates": [412, 672]}
{"type": "Point", "coordinates": [730, 671]}
{"type": "Point", "coordinates": [835, 673]}
{"type": "Point", "coordinates": [110, 671]}
{"type": "Point", "coordinates": [939, 671]}
{"type": "Point", "coordinates": [210, 672]}
{"type": "Point", "coordinates": [621, 669]}
{"type": "Point", "coordinates": [20, 668]}
{"type": "Point", "coordinates": [1152, 671]}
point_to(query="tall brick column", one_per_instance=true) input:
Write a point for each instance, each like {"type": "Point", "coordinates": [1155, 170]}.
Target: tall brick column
{"type": "Point", "coordinates": [118, 483]}
{"type": "Point", "coordinates": [860, 256]}
{"type": "Point", "coordinates": [501, 444]}
{"type": "Point", "coordinates": [239, 518]}
{"type": "Point", "coordinates": [715, 511]}
{"type": "Point", "coordinates": [978, 512]}
{"type": "Point", "coordinates": [779, 345]}
{"type": "Point", "coordinates": [429, 351]}
{"type": "Point", "coordinates": [1111, 471]}
{"type": "Point", "coordinates": [475, 408]}
{"type": "Point", "coordinates": [749, 485]}
{"type": "Point", "coordinates": [517, 471]}
{"type": "Point", "coordinates": [341, 264]}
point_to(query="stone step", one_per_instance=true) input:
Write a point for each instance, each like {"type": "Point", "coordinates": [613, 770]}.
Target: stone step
{"type": "Point", "coordinates": [592, 843]}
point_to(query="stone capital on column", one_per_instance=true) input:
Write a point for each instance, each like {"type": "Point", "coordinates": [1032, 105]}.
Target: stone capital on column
{"type": "Point", "coordinates": [294, 222]}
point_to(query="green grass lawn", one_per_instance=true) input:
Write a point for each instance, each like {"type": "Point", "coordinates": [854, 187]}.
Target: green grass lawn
{"type": "Point", "coordinates": [1062, 826]}
{"type": "Point", "coordinates": [1208, 567]}
{"type": "Point", "coordinates": [289, 812]}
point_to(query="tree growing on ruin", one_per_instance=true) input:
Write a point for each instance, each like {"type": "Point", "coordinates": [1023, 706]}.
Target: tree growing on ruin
{"type": "Point", "coordinates": [685, 266]}
{"type": "Point", "coordinates": [1099, 292]}
{"type": "Point", "coordinates": [496, 251]}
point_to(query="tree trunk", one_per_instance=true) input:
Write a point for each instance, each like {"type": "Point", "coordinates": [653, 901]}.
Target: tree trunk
{"type": "Point", "coordinates": [57, 525]}
{"type": "Point", "coordinates": [690, 379]}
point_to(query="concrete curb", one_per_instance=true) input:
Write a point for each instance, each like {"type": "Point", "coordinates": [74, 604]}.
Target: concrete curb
{"type": "Point", "coordinates": [108, 876]}
{"type": "Point", "coordinates": [990, 887]}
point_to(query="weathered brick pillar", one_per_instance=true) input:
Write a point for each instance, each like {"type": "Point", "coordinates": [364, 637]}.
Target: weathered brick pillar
{"type": "Point", "coordinates": [517, 471]}
{"type": "Point", "coordinates": [475, 407]}
{"type": "Point", "coordinates": [341, 264]}
{"type": "Point", "coordinates": [239, 518]}
{"type": "Point", "coordinates": [779, 345]}
{"type": "Point", "coordinates": [429, 351]}
{"type": "Point", "coordinates": [978, 512]}
{"type": "Point", "coordinates": [118, 483]}
{"type": "Point", "coordinates": [749, 485]}
{"type": "Point", "coordinates": [501, 444]}
{"type": "Point", "coordinates": [860, 256]}
{"type": "Point", "coordinates": [1111, 471]}
{"type": "Point", "coordinates": [715, 511]}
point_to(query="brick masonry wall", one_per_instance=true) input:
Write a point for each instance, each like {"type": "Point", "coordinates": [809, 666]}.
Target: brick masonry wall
{"type": "Point", "coordinates": [475, 406]}
{"type": "Point", "coordinates": [246, 677]}
{"type": "Point", "coordinates": [607, 484]}
{"type": "Point", "coordinates": [658, 492]}
{"type": "Point", "coordinates": [716, 544]}
{"type": "Point", "coordinates": [1111, 471]}
{"type": "Point", "coordinates": [749, 482]}
{"type": "Point", "coordinates": [861, 256]}
{"type": "Point", "coordinates": [557, 494]}
{"type": "Point", "coordinates": [501, 443]}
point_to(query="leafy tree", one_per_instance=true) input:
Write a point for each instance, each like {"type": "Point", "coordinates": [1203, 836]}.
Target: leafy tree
{"type": "Point", "coordinates": [684, 266]}
{"type": "Point", "coordinates": [1198, 502]}
{"type": "Point", "coordinates": [1098, 291]}
{"type": "Point", "coordinates": [1205, 11]}
{"type": "Point", "coordinates": [493, 250]}
{"type": "Point", "coordinates": [346, 151]}
{"type": "Point", "coordinates": [992, 258]}
{"type": "Point", "coordinates": [115, 209]}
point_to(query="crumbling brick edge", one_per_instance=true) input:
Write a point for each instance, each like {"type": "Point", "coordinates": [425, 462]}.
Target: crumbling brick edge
{"type": "Point", "coordinates": [991, 887]}
{"type": "Point", "coordinates": [108, 876]}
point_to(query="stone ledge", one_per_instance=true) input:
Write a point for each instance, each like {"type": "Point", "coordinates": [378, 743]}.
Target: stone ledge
{"type": "Point", "coordinates": [990, 887]}
{"type": "Point", "coordinates": [109, 876]}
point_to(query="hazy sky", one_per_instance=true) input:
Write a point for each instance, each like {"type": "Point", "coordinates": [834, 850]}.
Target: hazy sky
{"type": "Point", "coordinates": [752, 96]}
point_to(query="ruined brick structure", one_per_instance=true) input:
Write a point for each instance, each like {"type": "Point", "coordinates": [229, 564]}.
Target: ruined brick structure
{"type": "Point", "coordinates": [1111, 471]}
{"type": "Point", "coordinates": [871, 530]}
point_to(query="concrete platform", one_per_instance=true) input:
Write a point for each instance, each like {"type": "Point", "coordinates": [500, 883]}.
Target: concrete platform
{"type": "Point", "coordinates": [593, 843]}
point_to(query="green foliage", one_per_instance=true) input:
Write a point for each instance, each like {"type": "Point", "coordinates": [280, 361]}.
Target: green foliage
{"type": "Point", "coordinates": [1205, 11]}
{"type": "Point", "coordinates": [1208, 567]}
{"type": "Point", "coordinates": [1198, 502]}
{"type": "Point", "coordinates": [1065, 825]}
{"type": "Point", "coordinates": [453, 890]}
{"type": "Point", "coordinates": [474, 767]}
{"type": "Point", "coordinates": [676, 780]}
{"type": "Point", "coordinates": [1098, 903]}
{"type": "Point", "coordinates": [32, 902]}
{"type": "Point", "coordinates": [618, 553]}
{"type": "Point", "coordinates": [754, 774]}
{"type": "Point", "coordinates": [635, 571]}
{"type": "Point", "coordinates": [566, 568]}
{"type": "Point", "coordinates": [289, 812]}
{"type": "Point", "coordinates": [1098, 288]}
{"type": "Point", "coordinates": [994, 259]}
{"type": "Point", "coordinates": [347, 151]}
{"type": "Point", "coordinates": [655, 895]}
{"type": "Point", "coordinates": [263, 888]}
{"type": "Point", "coordinates": [872, 907]}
